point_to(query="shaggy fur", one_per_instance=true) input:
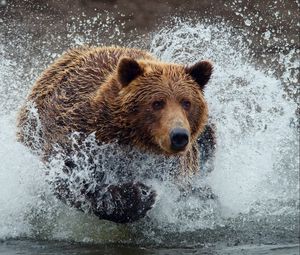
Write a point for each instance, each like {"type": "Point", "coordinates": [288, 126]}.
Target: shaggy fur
{"type": "Point", "coordinates": [123, 95]}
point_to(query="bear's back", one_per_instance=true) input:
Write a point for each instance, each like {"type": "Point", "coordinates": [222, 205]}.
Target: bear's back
{"type": "Point", "coordinates": [80, 71]}
{"type": "Point", "coordinates": [62, 94]}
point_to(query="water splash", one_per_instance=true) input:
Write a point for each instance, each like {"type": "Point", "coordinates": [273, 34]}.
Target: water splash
{"type": "Point", "coordinates": [256, 164]}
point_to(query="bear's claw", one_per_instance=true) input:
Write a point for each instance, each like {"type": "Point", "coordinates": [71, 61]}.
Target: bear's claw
{"type": "Point", "coordinates": [126, 202]}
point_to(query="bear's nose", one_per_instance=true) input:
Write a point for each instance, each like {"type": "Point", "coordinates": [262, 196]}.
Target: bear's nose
{"type": "Point", "coordinates": [179, 139]}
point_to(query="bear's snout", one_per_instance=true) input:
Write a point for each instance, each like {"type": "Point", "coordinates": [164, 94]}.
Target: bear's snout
{"type": "Point", "coordinates": [179, 139]}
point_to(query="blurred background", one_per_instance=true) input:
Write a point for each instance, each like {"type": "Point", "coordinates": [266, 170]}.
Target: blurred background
{"type": "Point", "coordinates": [43, 18]}
{"type": "Point", "coordinates": [35, 32]}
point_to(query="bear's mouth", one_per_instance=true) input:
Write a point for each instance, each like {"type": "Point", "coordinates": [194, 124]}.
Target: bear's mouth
{"type": "Point", "coordinates": [172, 139]}
{"type": "Point", "coordinates": [169, 150]}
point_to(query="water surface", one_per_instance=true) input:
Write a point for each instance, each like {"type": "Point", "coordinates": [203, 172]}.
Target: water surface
{"type": "Point", "coordinates": [256, 166]}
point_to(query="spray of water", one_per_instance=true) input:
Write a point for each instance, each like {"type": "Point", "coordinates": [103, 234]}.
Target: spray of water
{"type": "Point", "coordinates": [253, 190]}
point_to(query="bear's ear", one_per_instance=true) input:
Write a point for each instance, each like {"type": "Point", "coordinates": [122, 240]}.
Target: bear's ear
{"type": "Point", "coordinates": [128, 69]}
{"type": "Point", "coordinates": [200, 72]}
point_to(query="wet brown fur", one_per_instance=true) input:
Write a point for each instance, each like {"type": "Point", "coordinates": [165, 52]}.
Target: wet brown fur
{"type": "Point", "coordinates": [81, 91]}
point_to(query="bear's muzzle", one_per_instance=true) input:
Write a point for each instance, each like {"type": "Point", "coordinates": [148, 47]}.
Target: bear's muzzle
{"type": "Point", "coordinates": [179, 138]}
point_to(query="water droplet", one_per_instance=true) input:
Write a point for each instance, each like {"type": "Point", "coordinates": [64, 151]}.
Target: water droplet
{"type": "Point", "coordinates": [3, 2]}
{"type": "Point", "coordinates": [248, 22]}
{"type": "Point", "coordinates": [267, 35]}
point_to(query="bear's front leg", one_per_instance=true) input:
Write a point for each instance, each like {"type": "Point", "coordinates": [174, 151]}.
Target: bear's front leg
{"type": "Point", "coordinates": [123, 203]}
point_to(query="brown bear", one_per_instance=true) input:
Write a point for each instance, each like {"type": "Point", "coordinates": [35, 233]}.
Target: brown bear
{"type": "Point", "coordinates": [125, 96]}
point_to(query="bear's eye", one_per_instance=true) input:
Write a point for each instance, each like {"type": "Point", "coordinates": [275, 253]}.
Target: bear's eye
{"type": "Point", "coordinates": [186, 104]}
{"type": "Point", "coordinates": [158, 105]}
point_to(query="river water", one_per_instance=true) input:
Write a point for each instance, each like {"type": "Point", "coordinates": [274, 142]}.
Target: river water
{"type": "Point", "coordinates": [252, 101]}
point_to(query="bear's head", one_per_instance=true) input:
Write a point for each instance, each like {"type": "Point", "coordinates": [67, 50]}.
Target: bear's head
{"type": "Point", "coordinates": [162, 105]}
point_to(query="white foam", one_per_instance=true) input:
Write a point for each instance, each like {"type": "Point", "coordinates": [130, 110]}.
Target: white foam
{"type": "Point", "coordinates": [256, 163]}
{"type": "Point", "coordinates": [20, 181]}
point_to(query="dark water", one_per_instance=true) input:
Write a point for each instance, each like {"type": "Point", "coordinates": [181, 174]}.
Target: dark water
{"type": "Point", "coordinates": [13, 247]}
